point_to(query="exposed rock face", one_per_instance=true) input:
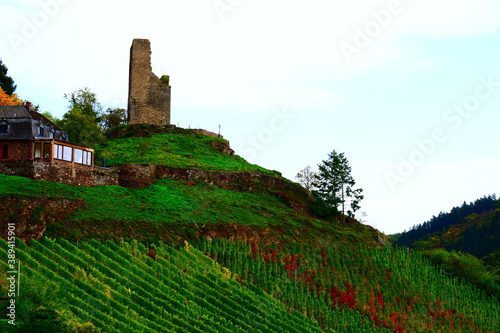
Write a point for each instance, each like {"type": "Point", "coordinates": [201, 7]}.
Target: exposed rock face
{"type": "Point", "coordinates": [222, 146]}
{"type": "Point", "coordinates": [32, 214]}
{"type": "Point", "coordinates": [136, 176]}
{"type": "Point", "coordinates": [149, 96]}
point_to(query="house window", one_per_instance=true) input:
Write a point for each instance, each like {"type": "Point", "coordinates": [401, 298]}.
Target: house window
{"type": "Point", "coordinates": [79, 156]}
{"type": "Point", "coordinates": [52, 134]}
{"type": "Point", "coordinates": [38, 150]}
{"type": "Point", "coordinates": [41, 132]}
{"type": "Point", "coordinates": [4, 127]}
{"type": "Point", "coordinates": [87, 158]}
{"type": "Point", "coordinates": [63, 153]}
{"type": "Point", "coordinates": [58, 152]}
{"type": "Point", "coordinates": [83, 157]}
{"type": "Point", "coordinates": [4, 151]}
{"type": "Point", "coordinates": [67, 154]}
{"type": "Point", "coordinates": [46, 150]}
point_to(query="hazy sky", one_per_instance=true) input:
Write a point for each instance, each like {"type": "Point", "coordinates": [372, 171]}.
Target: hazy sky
{"type": "Point", "coordinates": [408, 90]}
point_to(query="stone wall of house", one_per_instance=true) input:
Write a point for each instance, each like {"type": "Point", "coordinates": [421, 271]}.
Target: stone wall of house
{"type": "Point", "coordinates": [22, 169]}
{"type": "Point", "coordinates": [149, 96]}
{"type": "Point", "coordinates": [17, 151]}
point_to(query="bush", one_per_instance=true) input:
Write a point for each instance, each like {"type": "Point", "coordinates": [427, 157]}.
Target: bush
{"type": "Point", "coordinates": [468, 267]}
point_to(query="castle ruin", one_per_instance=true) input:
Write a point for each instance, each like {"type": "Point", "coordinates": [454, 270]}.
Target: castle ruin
{"type": "Point", "coordinates": [149, 96]}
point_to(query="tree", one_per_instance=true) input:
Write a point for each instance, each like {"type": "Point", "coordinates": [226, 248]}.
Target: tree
{"type": "Point", "coordinates": [6, 99]}
{"type": "Point", "coordinates": [335, 185]}
{"type": "Point", "coordinates": [49, 116]}
{"type": "Point", "coordinates": [307, 177]}
{"type": "Point", "coordinates": [82, 121]}
{"type": "Point", "coordinates": [114, 117]}
{"type": "Point", "coordinates": [6, 82]}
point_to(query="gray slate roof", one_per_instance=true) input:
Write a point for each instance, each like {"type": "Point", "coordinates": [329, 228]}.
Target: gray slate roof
{"type": "Point", "coordinates": [21, 111]}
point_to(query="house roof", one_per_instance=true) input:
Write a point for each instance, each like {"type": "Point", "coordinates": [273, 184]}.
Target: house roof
{"type": "Point", "coordinates": [21, 111]}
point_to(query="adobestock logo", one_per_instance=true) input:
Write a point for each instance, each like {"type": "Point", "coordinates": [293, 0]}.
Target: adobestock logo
{"type": "Point", "coordinates": [277, 124]}
{"type": "Point", "coordinates": [32, 26]}
{"type": "Point", "coordinates": [364, 36]}
{"type": "Point", "coordinates": [454, 118]}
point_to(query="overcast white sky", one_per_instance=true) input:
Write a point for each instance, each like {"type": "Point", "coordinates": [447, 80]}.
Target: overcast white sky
{"type": "Point", "coordinates": [408, 90]}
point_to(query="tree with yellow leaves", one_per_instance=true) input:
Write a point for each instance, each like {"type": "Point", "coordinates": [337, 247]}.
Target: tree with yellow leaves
{"type": "Point", "coordinates": [6, 99]}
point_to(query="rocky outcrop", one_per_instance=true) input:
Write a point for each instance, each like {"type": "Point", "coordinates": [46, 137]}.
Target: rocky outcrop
{"type": "Point", "coordinates": [291, 193]}
{"type": "Point", "coordinates": [222, 146]}
{"type": "Point", "coordinates": [32, 214]}
{"type": "Point", "coordinates": [136, 176]}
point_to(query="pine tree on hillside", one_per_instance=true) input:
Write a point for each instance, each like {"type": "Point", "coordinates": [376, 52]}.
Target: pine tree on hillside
{"type": "Point", "coordinates": [335, 185]}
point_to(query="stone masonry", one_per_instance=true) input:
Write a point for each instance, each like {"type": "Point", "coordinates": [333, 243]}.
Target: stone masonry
{"type": "Point", "coordinates": [149, 96]}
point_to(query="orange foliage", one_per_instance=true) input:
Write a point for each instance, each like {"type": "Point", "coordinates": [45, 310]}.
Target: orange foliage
{"type": "Point", "coordinates": [9, 99]}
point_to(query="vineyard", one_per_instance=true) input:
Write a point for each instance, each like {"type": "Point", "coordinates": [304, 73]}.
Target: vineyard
{"type": "Point", "coordinates": [119, 288]}
{"type": "Point", "coordinates": [367, 290]}
{"type": "Point", "coordinates": [227, 286]}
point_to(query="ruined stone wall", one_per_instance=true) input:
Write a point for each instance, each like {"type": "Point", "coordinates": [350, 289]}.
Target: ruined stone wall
{"type": "Point", "coordinates": [208, 133]}
{"type": "Point", "coordinates": [65, 173]}
{"type": "Point", "coordinates": [60, 172]}
{"type": "Point", "coordinates": [149, 96]}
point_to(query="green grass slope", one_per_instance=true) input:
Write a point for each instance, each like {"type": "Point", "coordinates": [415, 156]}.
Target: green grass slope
{"type": "Point", "coordinates": [261, 204]}
{"type": "Point", "coordinates": [171, 146]}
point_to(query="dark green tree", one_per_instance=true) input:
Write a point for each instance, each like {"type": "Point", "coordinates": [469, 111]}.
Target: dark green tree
{"type": "Point", "coordinates": [335, 185]}
{"type": "Point", "coordinates": [6, 82]}
{"type": "Point", "coordinates": [114, 117]}
{"type": "Point", "coordinates": [83, 120]}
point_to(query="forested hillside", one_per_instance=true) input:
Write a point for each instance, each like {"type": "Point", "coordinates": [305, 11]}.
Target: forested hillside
{"type": "Point", "coordinates": [445, 220]}
{"type": "Point", "coordinates": [465, 242]}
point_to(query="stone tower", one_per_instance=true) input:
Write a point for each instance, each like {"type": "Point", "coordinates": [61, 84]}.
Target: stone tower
{"type": "Point", "coordinates": [148, 95]}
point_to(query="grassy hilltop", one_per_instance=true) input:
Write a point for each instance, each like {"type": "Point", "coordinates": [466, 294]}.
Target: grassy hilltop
{"type": "Point", "coordinates": [215, 244]}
